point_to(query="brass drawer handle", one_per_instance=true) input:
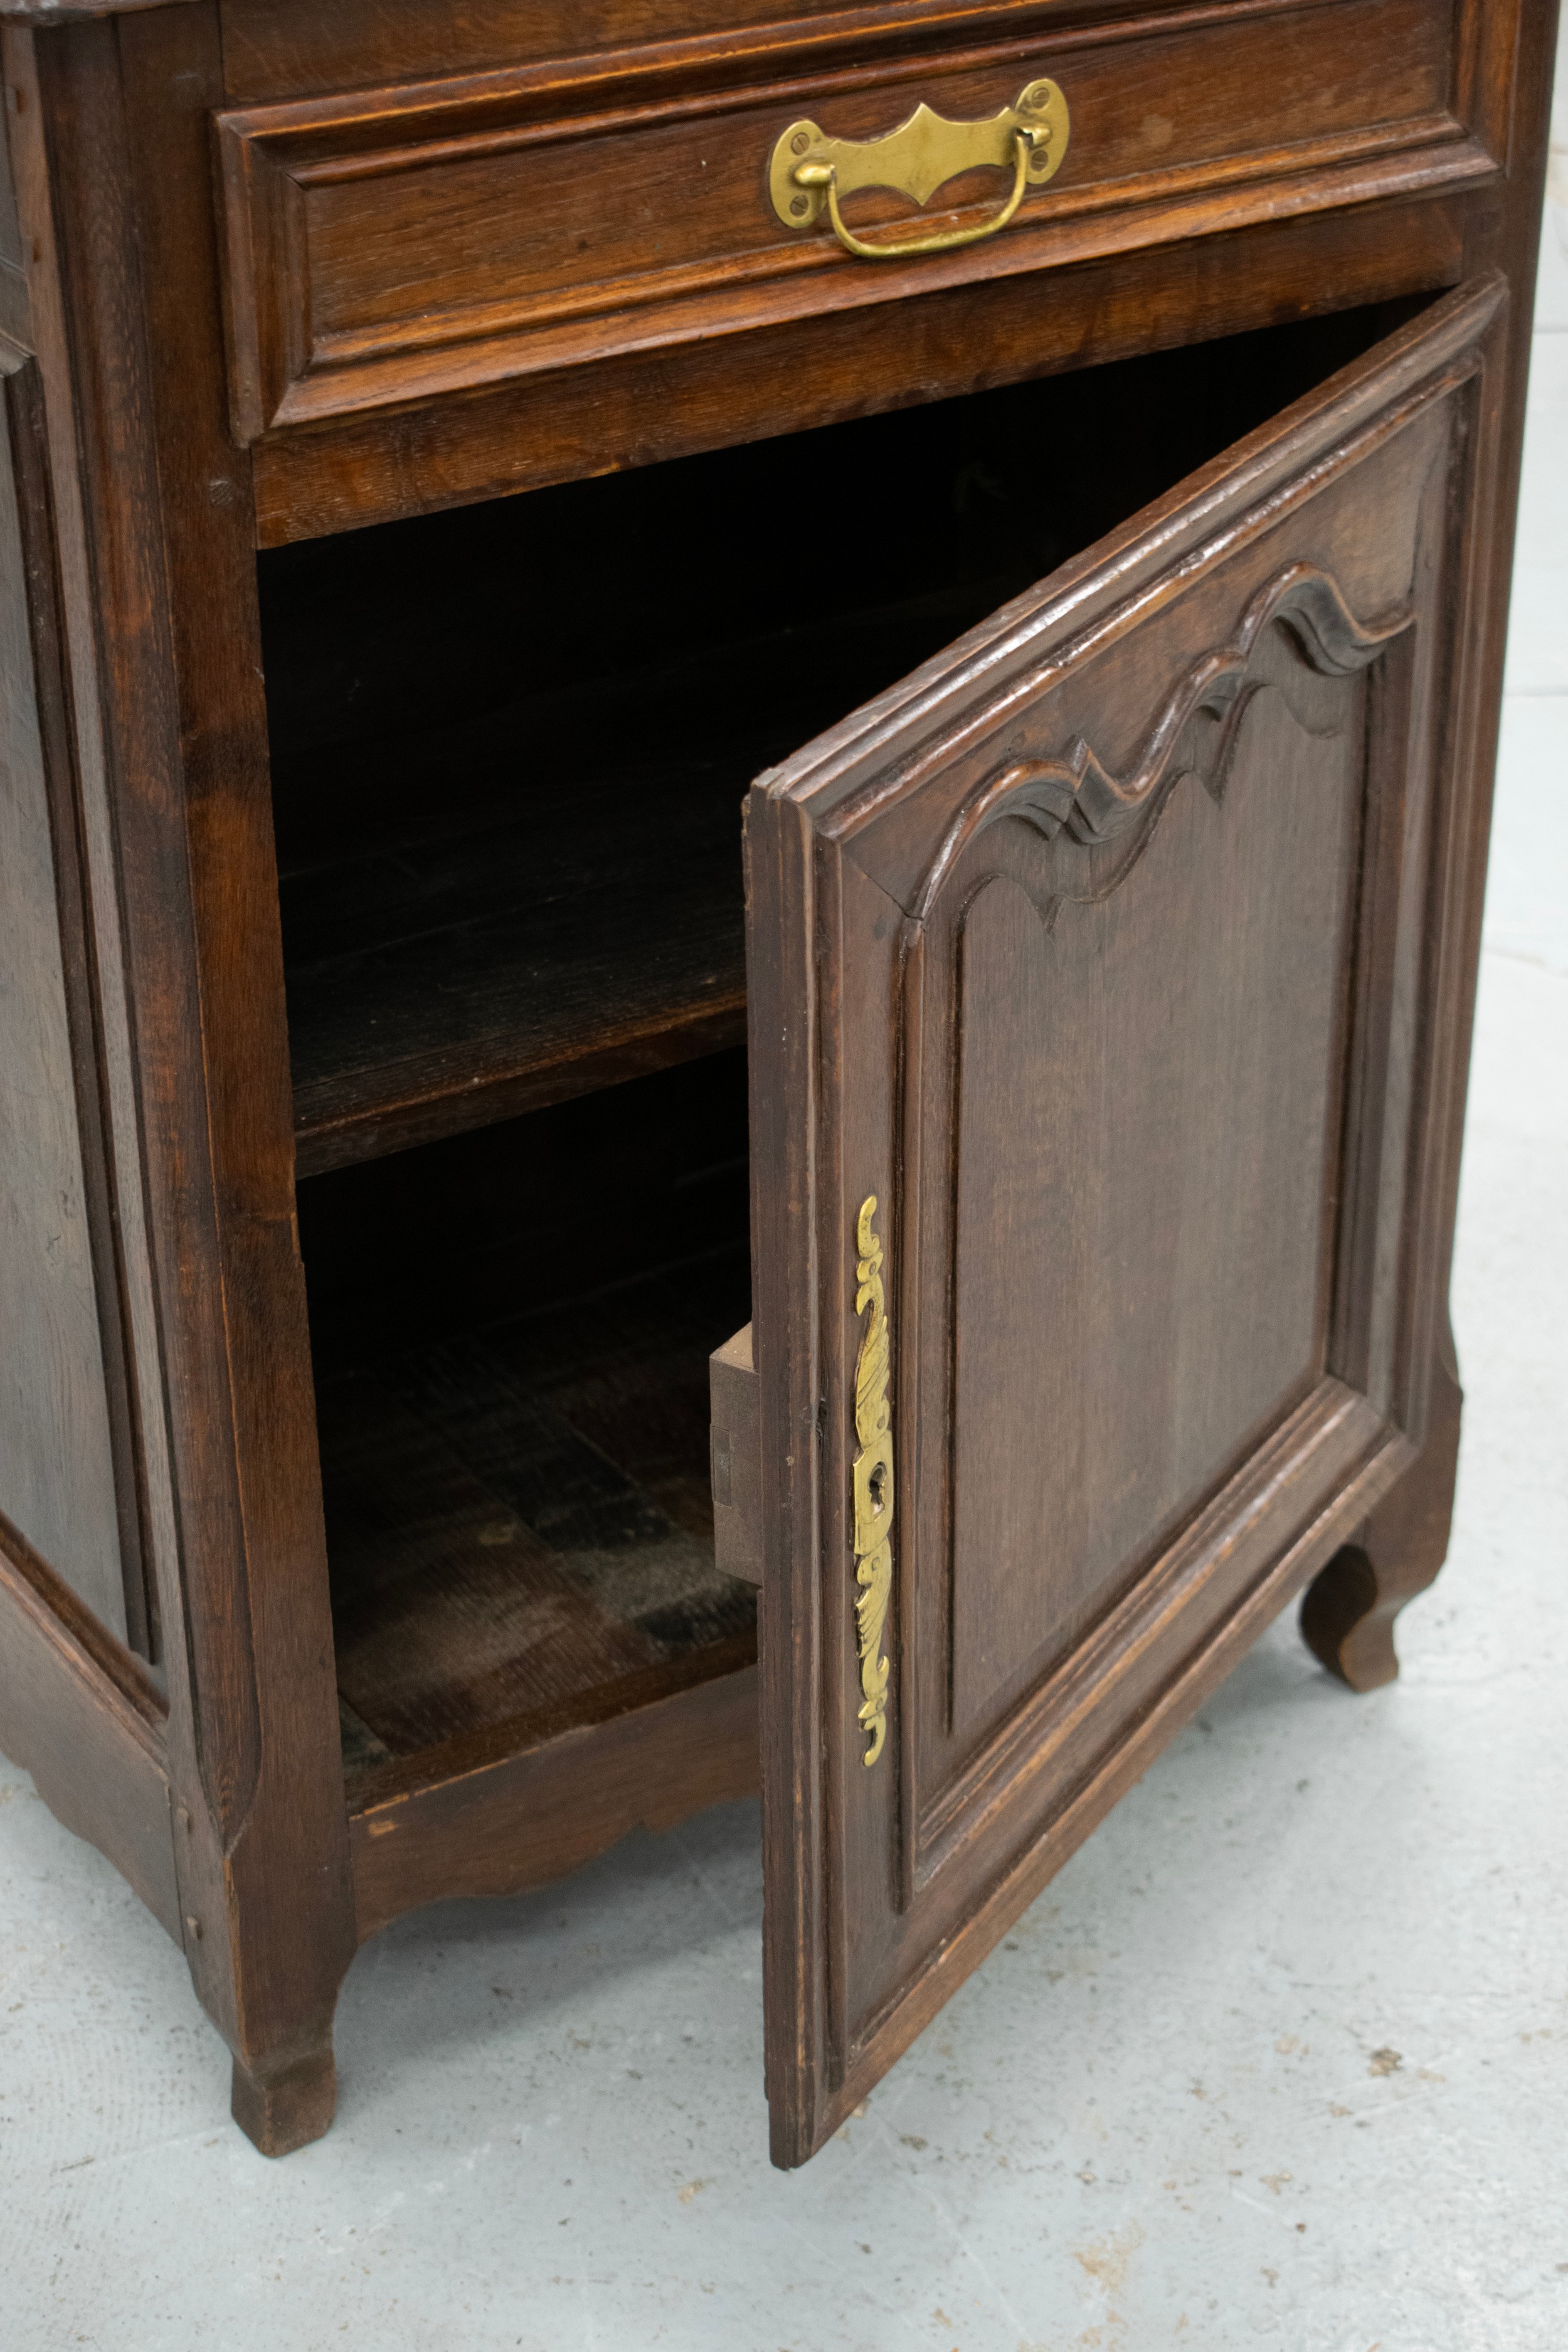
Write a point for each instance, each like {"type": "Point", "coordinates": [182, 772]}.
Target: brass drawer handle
{"type": "Point", "coordinates": [810, 172]}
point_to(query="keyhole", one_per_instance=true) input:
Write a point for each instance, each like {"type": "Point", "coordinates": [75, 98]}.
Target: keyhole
{"type": "Point", "coordinates": [877, 1487]}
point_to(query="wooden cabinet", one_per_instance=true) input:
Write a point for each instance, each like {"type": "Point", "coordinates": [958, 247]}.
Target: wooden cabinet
{"type": "Point", "coordinates": [545, 1298]}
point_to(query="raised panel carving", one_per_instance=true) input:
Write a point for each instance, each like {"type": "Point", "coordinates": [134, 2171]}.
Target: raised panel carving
{"type": "Point", "coordinates": [58, 1470]}
{"type": "Point", "coordinates": [1114, 929]}
{"type": "Point", "coordinates": [1145, 1075]}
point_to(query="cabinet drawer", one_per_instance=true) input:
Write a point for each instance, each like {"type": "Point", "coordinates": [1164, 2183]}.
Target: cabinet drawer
{"type": "Point", "coordinates": [395, 243]}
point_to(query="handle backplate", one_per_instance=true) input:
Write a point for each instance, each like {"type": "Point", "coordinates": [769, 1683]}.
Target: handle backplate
{"type": "Point", "coordinates": [810, 174]}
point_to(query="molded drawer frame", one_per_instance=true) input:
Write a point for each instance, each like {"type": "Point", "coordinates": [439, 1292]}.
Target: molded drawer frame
{"type": "Point", "coordinates": [401, 243]}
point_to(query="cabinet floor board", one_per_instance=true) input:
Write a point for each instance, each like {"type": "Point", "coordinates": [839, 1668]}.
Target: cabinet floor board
{"type": "Point", "coordinates": [518, 1524]}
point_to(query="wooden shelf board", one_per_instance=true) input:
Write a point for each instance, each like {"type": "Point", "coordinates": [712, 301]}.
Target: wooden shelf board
{"type": "Point", "coordinates": [532, 901]}
{"type": "Point", "coordinates": [439, 984]}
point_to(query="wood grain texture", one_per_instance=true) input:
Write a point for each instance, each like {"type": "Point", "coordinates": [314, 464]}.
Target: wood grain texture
{"type": "Point", "coordinates": [1375, 478]}
{"type": "Point", "coordinates": [391, 244]}
{"type": "Point", "coordinates": [90, 1002]}
{"type": "Point", "coordinates": [1208, 1255]}
{"type": "Point", "coordinates": [42, 13]}
{"type": "Point", "coordinates": [1413, 165]}
{"type": "Point", "coordinates": [159, 603]}
{"type": "Point", "coordinates": [1349, 1615]}
{"type": "Point", "coordinates": [279, 49]}
{"type": "Point", "coordinates": [519, 1522]}
{"type": "Point", "coordinates": [494, 976]}
{"type": "Point", "coordinates": [81, 1714]}
{"type": "Point", "coordinates": [1093, 1795]}
{"type": "Point", "coordinates": [247, 1447]}
{"type": "Point", "coordinates": [1204, 1256]}
{"type": "Point", "coordinates": [520, 1820]}
{"type": "Point", "coordinates": [564, 908]}
{"type": "Point", "coordinates": [736, 1458]}
{"type": "Point", "coordinates": [58, 1480]}
{"type": "Point", "coordinates": [638, 410]}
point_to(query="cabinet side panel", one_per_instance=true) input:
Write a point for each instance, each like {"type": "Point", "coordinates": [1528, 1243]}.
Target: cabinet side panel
{"type": "Point", "coordinates": [57, 1463]}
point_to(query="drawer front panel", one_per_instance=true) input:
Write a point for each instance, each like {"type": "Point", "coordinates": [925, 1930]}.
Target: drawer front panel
{"type": "Point", "coordinates": [404, 243]}
{"type": "Point", "coordinates": [295, 48]}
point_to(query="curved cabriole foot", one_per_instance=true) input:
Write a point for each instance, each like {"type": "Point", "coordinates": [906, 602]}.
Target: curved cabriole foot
{"type": "Point", "coordinates": [1347, 1616]}
{"type": "Point", "coordinates": [1346, 1623]}
{"type": "Point", "coordinates": [289, 2105]}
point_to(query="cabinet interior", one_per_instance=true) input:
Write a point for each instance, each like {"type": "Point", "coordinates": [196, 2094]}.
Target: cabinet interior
{"type": "Point", "coordinates": [510, 746]}
{"type": "Point", "coordinates": [511, 1330]}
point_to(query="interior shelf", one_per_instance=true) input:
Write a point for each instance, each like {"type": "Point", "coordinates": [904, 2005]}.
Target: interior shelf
{"type": "Point", "coordinates": [511, 742]}
{"type": "Point", "coordinates": [445, 978]}
{"type": "Point", "coordinates": [513, 908]}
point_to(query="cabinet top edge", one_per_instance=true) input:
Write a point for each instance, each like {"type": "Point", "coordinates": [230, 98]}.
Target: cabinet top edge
{"type": "Point", "coordinates": [41, 13]}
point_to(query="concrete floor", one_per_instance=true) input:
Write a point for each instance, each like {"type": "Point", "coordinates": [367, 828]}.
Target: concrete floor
{"type": "Point", "coordinates": [1281, 2058]}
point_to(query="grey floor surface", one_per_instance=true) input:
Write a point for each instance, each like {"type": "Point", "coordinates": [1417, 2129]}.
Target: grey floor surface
{"type": "Point", "coordinates": [1281, 2058]}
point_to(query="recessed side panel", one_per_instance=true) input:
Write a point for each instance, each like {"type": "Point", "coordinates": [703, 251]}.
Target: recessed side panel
{"type": "Point", "coordinates": [1147, 1101]}
{"type": "Point", "coordinates": [57, 1462]}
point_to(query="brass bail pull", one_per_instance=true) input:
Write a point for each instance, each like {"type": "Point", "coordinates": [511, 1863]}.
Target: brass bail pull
{"type": "Point", "coordinates": [810, 174]}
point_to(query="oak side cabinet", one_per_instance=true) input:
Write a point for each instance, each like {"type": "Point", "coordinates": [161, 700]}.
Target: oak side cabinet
{"type": "Point", "coordinates": [746, 760]}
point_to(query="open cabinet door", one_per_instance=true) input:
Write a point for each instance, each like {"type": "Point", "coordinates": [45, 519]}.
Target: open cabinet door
{"type": "Point", "coordinates": [1110, 988]}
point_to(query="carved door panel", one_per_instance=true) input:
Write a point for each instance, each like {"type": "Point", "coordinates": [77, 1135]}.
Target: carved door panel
{"type": "Point", "coordinates": [1105, 978]}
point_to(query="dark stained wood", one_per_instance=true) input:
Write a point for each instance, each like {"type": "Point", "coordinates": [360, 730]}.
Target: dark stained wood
{"type": "Point", "coordinates": [1215, 969]}
{"type": "Point", "coordinates": [633, 411]}
{"type": "Point", "coordinates": [158, 601]}
{"type": "Point", "coordinates": [1093, 1794]}
{"type": "Point", "coordinates": [515, 1221]}
{"type": "Point", "coordinates": [81, 1714]}
{"type": "Point", "coordinates": [536, 1647]}
{"type": "Point", "coordinates": [520, 1819]}
{"type": "Point", "coordinates": [277, 48]}
{"type": "Point", "coordinates": [84, 997]}
{"type": "Point", "coordinates": [1347, 1616]}
{"type": "Point", "coordinates": [1101, 864]}
{"type": "Point", "coordinates": [489, 910]}
{"type": "Point", "coordinates": [736, 1458]}
{"type": "Point", "coordinates": [490, 974]}
{"type": "Point", "coordinates": [402, 242]}
{"type": "Point", "coordinates": [1204, 1256]}
{"type": "Point", "coordinates": [44, 13]}
{"type": "Point", "coordinates": [517, 1521]}
{"type": "Point", "coordinates": [57, 1464]}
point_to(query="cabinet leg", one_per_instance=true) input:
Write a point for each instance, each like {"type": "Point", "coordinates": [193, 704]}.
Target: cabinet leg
{"type": "Point", "coordinates": [1347, 1616]}
{"type": "Point", "coordinates": [286, 2106]}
